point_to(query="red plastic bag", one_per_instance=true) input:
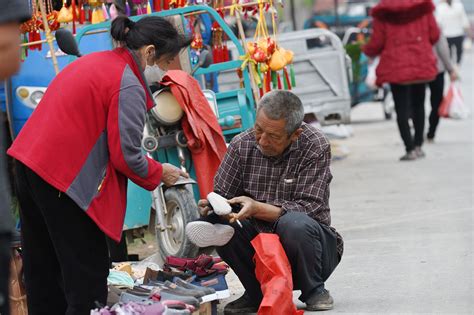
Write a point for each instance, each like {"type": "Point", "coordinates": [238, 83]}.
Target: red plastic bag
{"type": "Point", "coordinates": [453, 105]}
{"type": "Point", "coordinates": [273, 271]}
{"type": "Point", "coordinates": [443, 110]}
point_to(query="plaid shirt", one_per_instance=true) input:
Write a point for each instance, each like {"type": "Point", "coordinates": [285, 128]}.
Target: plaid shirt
{"type": "Point", "coordinates": [298, 180]}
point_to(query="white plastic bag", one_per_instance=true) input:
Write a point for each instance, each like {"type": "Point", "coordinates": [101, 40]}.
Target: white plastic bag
{"type": "Point", "coordinates": [458, 108]}
{"type": "Point", "coordinates": [371, 78]}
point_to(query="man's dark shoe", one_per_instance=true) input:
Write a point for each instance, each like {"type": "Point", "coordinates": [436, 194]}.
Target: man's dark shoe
{"type": "Point", "coordinates": [321, 301]}
{"type": "Point", "coordinates": [243, 305]}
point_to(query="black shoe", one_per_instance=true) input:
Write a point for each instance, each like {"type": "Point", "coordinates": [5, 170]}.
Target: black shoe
{"type": "Point", "coordinates": [321, 301]}
{"type": "Point", "coordinates": [242, 305]}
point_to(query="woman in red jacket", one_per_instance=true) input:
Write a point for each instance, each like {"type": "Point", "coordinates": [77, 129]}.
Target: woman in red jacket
{"type": "Point", "coordinates": [74, 156]}
{"type": "Point", "coordinates": [404, 32]}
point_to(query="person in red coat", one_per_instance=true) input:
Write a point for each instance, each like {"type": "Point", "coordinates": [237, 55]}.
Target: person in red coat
{"type": "Point", "coordinates": [404, 32]}
{"type": "Point", "coordinates": [73, 158]}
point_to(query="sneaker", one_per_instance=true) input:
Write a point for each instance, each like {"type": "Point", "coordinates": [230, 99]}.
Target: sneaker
{"type": "Point", "coordinates": [242, 305]}
{"type": "Point", "coordinates": [409, 156]}
{"type": "Point", "coordinates": [419, 152]}
{"type": "Point", "coordinates": [217, 282]}
{"type": "Point", "coordinates": [321, 301]}
{"type": "Point", "coordinates": [205, 234]}
{"type": "Point", "coordinates": [209, 294]}
{"type": "Point", "coordinates": [219, 204]}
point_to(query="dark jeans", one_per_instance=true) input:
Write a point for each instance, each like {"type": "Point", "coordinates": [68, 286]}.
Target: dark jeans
{"type": "Point", "coordinates": [311, 249]}
{"type": "Point", "coordinates": [456, 42]}
{"type": "Point", "coordinates": [436, 89]}
{"type": "Point", "coordinates": [65, 254]}
{"type": "Point", "coordinates": [410, 103]}
{"type": "Point", "coordinates": [4, 272]}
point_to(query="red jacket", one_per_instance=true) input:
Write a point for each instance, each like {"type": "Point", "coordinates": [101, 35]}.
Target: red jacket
{"type": "Point", "coordinates": [84, 138]}
{"type": "Point", "coordinates": [404, 32]}
{"type": "Point", "coordinates": [200, 126]}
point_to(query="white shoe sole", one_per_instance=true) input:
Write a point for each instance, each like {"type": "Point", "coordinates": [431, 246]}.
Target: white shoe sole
{"type": "Point", "coordinates": [205, 234]}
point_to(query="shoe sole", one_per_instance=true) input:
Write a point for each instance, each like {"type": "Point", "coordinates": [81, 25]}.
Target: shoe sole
{"type": "Point", "coordinates": [205, 234]}
{"type": "Point", "coordinates": [321, 307]}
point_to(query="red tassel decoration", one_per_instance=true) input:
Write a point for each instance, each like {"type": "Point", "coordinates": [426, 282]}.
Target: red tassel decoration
{"type": "Point", "coordinates": [225, 53]}
{"type": "Point", "coordinates": [260, 90]}
{"type": "Point", "coordinates": [74, 17]}
{"type": "Point", "coordinates": [82, 15]}
{"type": "Point", "coordinates": [157, 5]}
{"type": "Point", "coordinates": [269, 80]}
{"type": "Point", "coordinates": [279, 81]}
{"type": "Point", "coordinates": [287, 78]}
{"type": "Point", "coordinates": [166, 4]}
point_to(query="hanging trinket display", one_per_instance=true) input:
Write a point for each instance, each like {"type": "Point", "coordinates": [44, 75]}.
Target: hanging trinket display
{"type": "Point", "coordinates": [220, 52]}
{"type": "Point", "coordinates": [271, 65]}
{"type": "Point", "coordinates": [31, 29]}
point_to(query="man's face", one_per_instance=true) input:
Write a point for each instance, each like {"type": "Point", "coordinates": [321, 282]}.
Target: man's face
{"type": "Point", "coordinates": [9, 49]}
{"type": "Point", "coordinates": [271, 135]}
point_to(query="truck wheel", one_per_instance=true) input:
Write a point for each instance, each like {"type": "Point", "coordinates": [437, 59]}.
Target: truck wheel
{"type": "Point", "coordinates": [181, 209]}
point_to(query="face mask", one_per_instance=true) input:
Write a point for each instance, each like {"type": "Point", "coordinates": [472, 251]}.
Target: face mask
{"type": "Point", "coordinates": [153, 73]}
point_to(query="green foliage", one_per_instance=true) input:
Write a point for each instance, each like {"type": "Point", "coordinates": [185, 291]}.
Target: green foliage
{"type": "Point", "coordinates": [354, 50]}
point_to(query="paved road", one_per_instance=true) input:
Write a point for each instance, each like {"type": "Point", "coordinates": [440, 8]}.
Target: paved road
{"type": "Point", "coordinates": [408, 226]}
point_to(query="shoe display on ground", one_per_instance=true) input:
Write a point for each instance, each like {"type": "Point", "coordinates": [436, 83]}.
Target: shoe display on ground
{"type": "Point", "coordinates": [409, 156]}
{"type": "Point", "coordinates": [209, 294]}
{"type": "Point", "coordinates": [243, 305]}
{"type": "Point", "coordinates": [321, 301]}
{"type": "Point", "coordinates": [217, 282]}
{"type": "Point", "coordinates": [205, 234]}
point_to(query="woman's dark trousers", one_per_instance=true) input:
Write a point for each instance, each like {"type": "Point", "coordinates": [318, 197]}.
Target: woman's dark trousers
{"type": "Point", "coordinates": [65, 254]}
{"type": "Point", "coordinates": [410, 103]}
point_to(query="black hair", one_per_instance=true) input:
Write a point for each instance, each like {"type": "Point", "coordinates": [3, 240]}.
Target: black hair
{"type": "Point", "coordinates": [150, 30]}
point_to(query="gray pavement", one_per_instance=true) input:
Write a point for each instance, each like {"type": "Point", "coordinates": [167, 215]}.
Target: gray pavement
{"type": "Point", "coordinates": [408, 226]}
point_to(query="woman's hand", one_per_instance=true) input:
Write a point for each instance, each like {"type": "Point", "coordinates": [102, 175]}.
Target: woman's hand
{"type": "Point", "coordinates": [453, 75]}
{"type": "Point", "coordinates": [171, 174]}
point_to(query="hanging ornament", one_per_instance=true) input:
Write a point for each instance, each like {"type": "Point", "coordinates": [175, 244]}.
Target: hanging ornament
{"type": "Point", "coordinates": [113, 11]}
{"type": "Point", "coordinates": [157, 5]}
{"type": "Point", "coordinates": [65, 15]}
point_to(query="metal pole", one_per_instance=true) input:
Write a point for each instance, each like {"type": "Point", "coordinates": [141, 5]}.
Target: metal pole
{"type": "Point", "coordinates": [49, 37]}
{"type": "Point", "coordinates": [293, 14]}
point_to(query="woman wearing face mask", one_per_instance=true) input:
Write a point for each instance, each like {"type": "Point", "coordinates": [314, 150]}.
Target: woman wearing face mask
{"type": "Point", "coordinates": [73, 159]}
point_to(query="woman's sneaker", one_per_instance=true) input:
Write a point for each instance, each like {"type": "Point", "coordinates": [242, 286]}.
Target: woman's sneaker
{"type": "Point", "coordinates": [409, 156]}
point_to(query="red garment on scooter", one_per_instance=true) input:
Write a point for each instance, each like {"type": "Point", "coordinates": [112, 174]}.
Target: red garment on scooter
{"type": "Point", "coordinates": [201, 128]}
{"type": "Point", "coordinates": [273, 271]}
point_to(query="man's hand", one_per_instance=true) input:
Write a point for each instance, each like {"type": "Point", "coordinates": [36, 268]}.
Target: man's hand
{"type": "Point", "coordinates": [204, 207]}
{"type": "Point", "coordinates": [249, 208]}
{"type": "Point", "coordinates": [171, 174]}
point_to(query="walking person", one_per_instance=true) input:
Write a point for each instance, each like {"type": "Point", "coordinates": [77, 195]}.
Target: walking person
{"type": "Point", "coordinates": [436, 86]}
{"type": "Point", "coordinates": [404, 32]}
{"type": "Point", "coordinates": [73, 158]}
{"type": "Point", "coordinates": [12, 13]}
{"type": "Point", "coordinates": [454, 24]}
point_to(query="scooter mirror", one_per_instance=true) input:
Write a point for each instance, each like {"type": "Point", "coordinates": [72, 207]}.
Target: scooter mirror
{"type": "Point", "coordinates": [205, 60]}
{"type": "Point", "coordinates": [67, 43]}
